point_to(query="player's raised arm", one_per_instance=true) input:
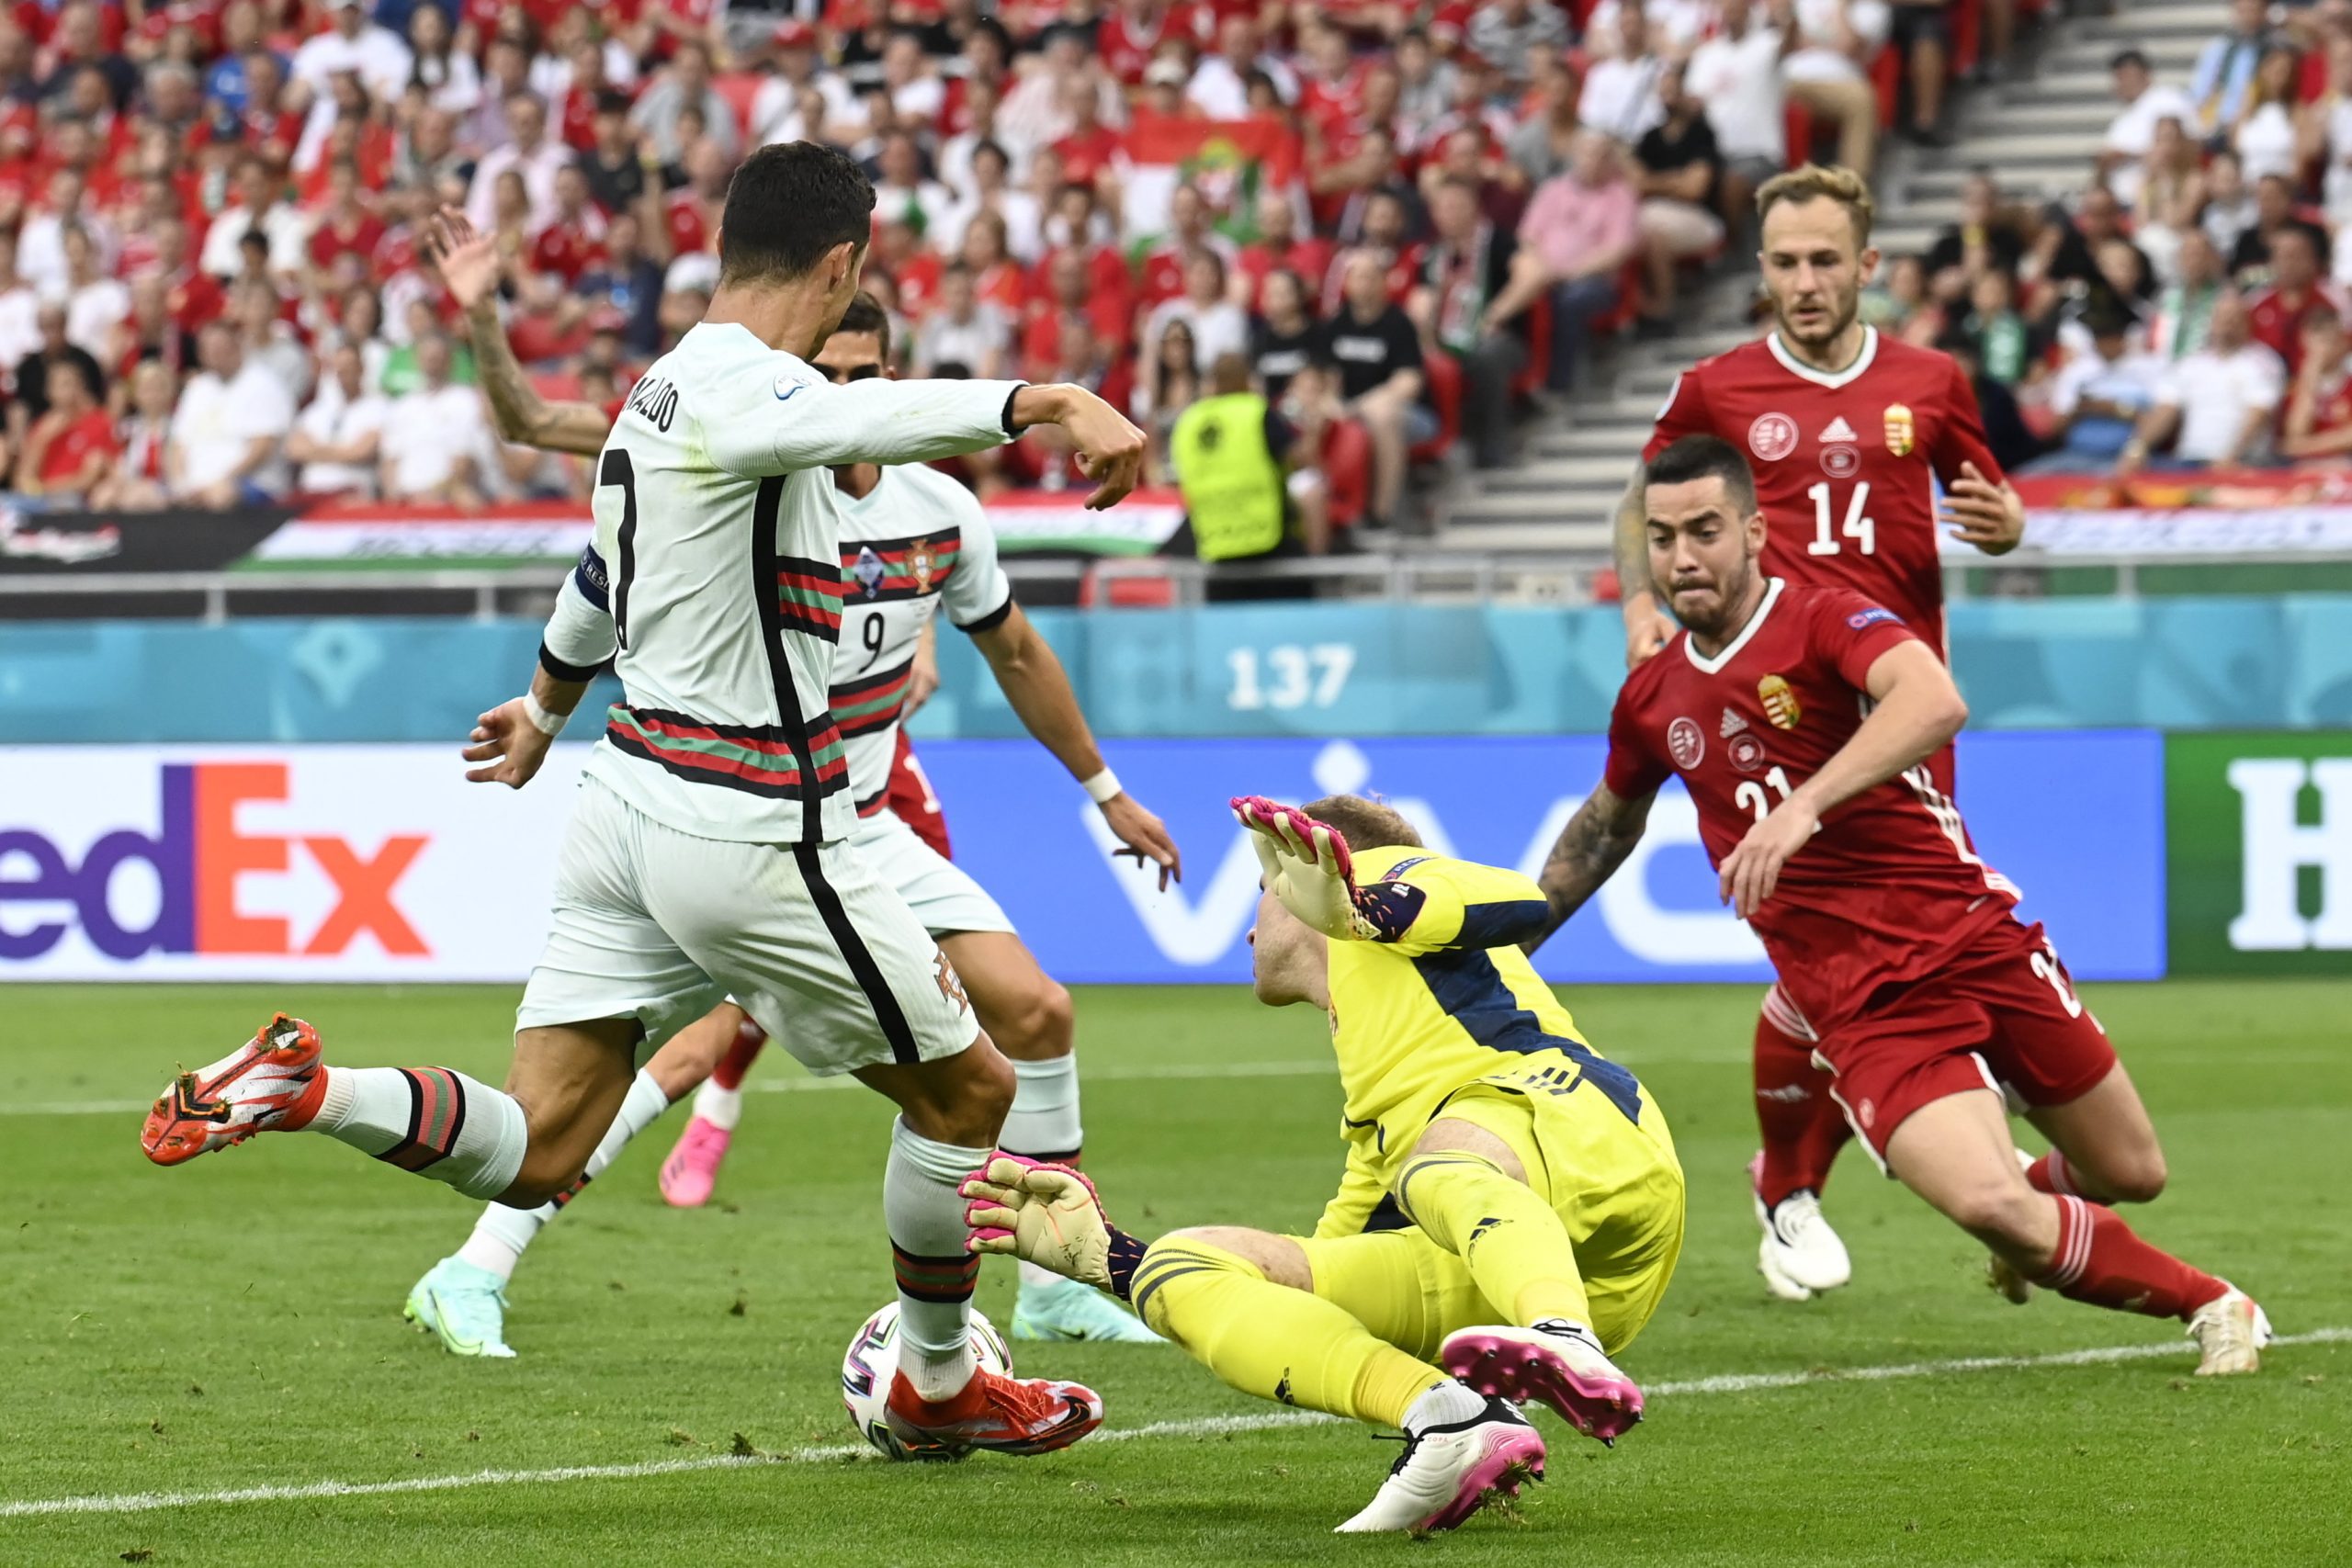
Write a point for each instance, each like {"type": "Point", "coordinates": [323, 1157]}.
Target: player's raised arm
{"type": "Point", "coordinates": [469, 263]}
{"type": "Point", "coordinates": [816, 425]}
{"type": "Point", "coordinates": [1425, 904]}
{"type": "Point", "coordinates": [1588, 852]}
{"type": "Point", "coordinates": [1915, 710]}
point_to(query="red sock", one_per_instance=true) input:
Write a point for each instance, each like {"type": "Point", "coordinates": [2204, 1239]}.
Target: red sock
{"type": "Point", "coordinates": [1802, 1128]}
{"type": "Point", "coordinates": [749, 1039]}
{"type": "Point", "coordinates": [2099, 1261]}
{"type": "Point", "coordinates": [2053, 1175]}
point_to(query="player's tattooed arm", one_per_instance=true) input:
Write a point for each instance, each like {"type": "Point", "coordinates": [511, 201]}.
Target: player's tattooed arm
{"type": "Point", "coordinates": [1587, 854]}
{"type": "Point", "coordinates": [1648, 627]}
{"type": "Point", "coordinates": [469, 263]}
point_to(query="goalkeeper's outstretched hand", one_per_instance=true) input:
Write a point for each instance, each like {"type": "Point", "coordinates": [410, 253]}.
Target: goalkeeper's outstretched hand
{"type": "Point", "coordinates": [1307, 865]}
{"type": "Point", "coordinates": [1046, 1214]}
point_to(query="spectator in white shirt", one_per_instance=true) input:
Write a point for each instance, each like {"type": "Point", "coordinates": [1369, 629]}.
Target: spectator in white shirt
{"type": "Point", "coordinates": [1620, 97]}
{"type": "Point", "coordinates": [2101, 395]}
{"type": "Point", "coordinates": [352, 42]}
{"type": "Point", "coordinates": [965, 330]}
{"type": "Point", "coordinates": [1737, 73]}
{"type": "Point", "coordinates": [902, 194]}
{"type": "Point", "coordinates": [2132, 132]}
{"type": "Point", "coordinates": [532, 154]}
{"type": "Point", "coordinates": [41, 242]}
{"type": "Point", "coordinates": [1828, 71]}
{"type": "Point", "coordinates": [2216, 405]}
{"type": "Point", "coordinates": [94, 303]}
{"type": "Point", "coordinates": [1218, 325]}
{"type": "Point", "coordinates": [261, 205]}
{"type": "Point", "coordinates": [233, 417]}
{"type": "Point", "coordinates": [337, 436]}
{"type": "Point", "coordinates": [19, 307]}
{"type": "Point", "coordinates": [269, 338]}
{"type": "Point", "coordinates": [434, 437]}
{"type": "Point", "coordinates": [1220, 83]}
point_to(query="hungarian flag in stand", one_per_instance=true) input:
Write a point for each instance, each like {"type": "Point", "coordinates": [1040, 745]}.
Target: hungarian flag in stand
{"type": "Point", "coordinates": [1229, 162]}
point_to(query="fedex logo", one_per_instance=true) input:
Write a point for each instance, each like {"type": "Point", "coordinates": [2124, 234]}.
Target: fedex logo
{"type": "Point", "coordinates": [197, 858]}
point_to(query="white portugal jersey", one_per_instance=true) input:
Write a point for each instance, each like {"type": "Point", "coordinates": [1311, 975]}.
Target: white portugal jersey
{"type": "Point", "coordinates": [721, 530]}
{"type": "Point", "coordinates": [916, 543]}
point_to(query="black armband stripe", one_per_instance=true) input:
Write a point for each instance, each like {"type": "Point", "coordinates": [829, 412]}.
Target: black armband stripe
{"type": "Point", "coordinates": [557, 669]}
{"type": "Point", "coordinates": [989, 621]}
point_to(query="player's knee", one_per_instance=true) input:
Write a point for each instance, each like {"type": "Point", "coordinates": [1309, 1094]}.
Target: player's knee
{"type": "Point", "coordinates": [973, 1114]}
{"type": "Point", "coordinates": [1041, 1026]}
{"type": "Point", "coordinates": [547, 1174]}
{"type": "Point", "coordinates": [1998, 1213]}
{"type": "Point", "coordinates": [2139, 1180]}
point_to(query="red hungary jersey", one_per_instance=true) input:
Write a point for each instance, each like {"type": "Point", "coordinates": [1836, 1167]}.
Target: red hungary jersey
{"type": "Point", "coordinates": [1843, 461]}
{"type": "Point", "coordinates": [1890, 884]}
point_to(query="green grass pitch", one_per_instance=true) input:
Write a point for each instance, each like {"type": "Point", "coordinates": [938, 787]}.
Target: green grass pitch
{"type": "Point", "coordinates": [235, 1323]}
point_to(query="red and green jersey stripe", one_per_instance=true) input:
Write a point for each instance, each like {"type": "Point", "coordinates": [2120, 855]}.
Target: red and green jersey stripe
{"type": "Point", "coordinates": [873, 704]}
{"type": "Point", "coordinates": [756, 759]}
{"type": "Point", "coordinates": [809, 597]}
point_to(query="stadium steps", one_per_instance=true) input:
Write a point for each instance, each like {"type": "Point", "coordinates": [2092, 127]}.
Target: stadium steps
{"type": "Point", "coordinates": [2039, 131]}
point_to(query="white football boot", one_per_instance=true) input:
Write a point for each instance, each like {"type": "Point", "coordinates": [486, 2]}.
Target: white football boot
{"type": "Point", "coordinates": [1800, 1256]}
{"type": "Point", "coordinates": [2230, 1331]}
{"type": "Point", "coordinates": [1449, 1472]}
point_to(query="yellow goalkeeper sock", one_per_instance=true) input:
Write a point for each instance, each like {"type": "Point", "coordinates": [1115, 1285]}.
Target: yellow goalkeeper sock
{"type": "Point", "coordinates": [1272, 1341]}
{"type": "Point", "coordinates": [1514, 1244]}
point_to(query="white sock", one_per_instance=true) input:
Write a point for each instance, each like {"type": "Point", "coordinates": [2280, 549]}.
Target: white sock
{"type": "Point", "coordinates": [431, 1120]}
{"type": "Point", "coordinates": [1044, 1121]}
{"type": "Point", "coordinates": [501, 1233]}
{"type": "Point", "coordinates": [1443, 1405]}
{"type": "Point", "coordinates": [935, 1274]}
{"type": "Point", "coordinates": [722, 1108]}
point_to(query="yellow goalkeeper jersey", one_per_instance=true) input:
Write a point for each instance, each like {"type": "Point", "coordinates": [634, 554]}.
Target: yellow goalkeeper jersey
{"type": "Point", "coordinates": [1442, 998]}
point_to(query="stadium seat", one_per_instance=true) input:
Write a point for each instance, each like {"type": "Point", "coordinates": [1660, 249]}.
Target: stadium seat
{"type": "Point", "coordinates": [1346, 462]}
{"type": "Point", "coordinates": [1444, 376]}
{"type": "Point", "coordinates": [557, 386]}
{"type": "Point", "coordinates": [1539, 348]}
{"type": "Point", "coordinates": [1886, 80]}
{"type": "Point", "coordinates": [1798, 130]}
{"type": "Point", "coordinates": [1127, 589]}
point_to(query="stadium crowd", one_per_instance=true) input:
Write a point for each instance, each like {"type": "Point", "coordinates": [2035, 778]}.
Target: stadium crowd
{"type": "Point", "coordinates": [2186, 309]}
{"type": "Point", "coordinates": [1406, 220]}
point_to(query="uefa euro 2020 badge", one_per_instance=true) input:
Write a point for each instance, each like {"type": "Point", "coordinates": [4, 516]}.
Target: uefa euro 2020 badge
{"type": "Point", "coordinates": [869, 571]}
{"type": "Point", "coordinates": [1780, 702]}
{"type": "Point", "coordinates": [1902, 436]}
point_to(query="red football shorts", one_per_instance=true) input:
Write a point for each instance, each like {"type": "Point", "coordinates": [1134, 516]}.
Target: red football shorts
{"type": "Point", "coordinates": [2002, 1015]}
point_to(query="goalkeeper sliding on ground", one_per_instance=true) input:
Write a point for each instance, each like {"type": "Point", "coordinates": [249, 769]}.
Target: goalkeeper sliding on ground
{"type": "Point", "coordinates": [1512, 1211]}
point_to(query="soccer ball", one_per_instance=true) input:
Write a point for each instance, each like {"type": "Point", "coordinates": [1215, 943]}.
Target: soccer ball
{"type": "Point", "coordinates": [872, 1360]}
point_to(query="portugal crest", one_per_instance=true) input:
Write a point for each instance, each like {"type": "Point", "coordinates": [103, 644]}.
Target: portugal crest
{"type": "Point", "coordinates": [920, 564]}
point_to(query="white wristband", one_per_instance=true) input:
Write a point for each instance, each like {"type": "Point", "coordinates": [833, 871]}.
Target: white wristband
{"type": "Point", "coordinates": [547, 724]}
{"type": "Point", "coordinates": [1102, 788]}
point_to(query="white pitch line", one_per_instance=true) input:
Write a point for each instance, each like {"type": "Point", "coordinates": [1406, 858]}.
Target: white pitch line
{"type": "Point", "coordinates": [1198, 1426]}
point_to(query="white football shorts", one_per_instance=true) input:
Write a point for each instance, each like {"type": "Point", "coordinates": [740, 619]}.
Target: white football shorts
{"type": "Point", "coordinates": [813, 940]}
{"type": "Point", "coordinates": [941, 893]}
